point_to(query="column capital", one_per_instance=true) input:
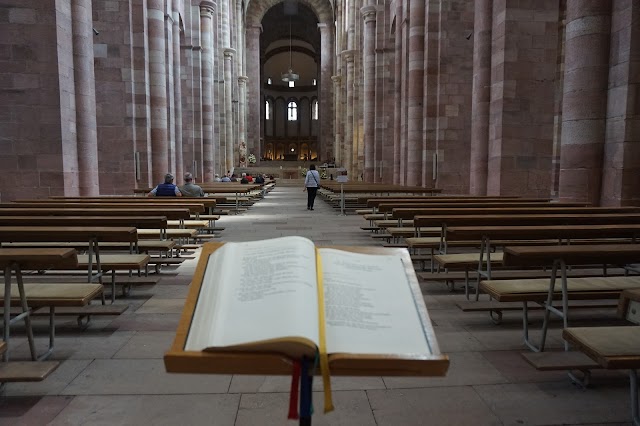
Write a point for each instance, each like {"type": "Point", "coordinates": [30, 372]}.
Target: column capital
{"type": "Point", "coordinates": [348, 55]}
{"type": "Point", "coordinates": [207, 8]}
{"type": "Point", "coordinates": [336, 79]}
{"type": "Point", "coordinates": [254, 28]}
{"type": "Point", "coordinates": [323, 26]}
{"type": "Point", "coordinates": [368, 13]}
{"type": "Point", "coordinates": [243, 79]}
{"type": "Point", "coordinates": [229, 52]}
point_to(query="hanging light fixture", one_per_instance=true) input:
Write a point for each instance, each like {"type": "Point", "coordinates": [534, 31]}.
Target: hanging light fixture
{"type": "Point", "coordinates": [290, 75]}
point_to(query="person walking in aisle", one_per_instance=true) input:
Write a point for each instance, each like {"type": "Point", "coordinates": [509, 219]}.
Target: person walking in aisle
{"type": "Point", "coordinates": [311, 185]}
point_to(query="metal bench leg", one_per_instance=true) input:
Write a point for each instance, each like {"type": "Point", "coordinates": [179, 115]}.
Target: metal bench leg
{"type": "Point", "coordinates": [635, 406]}
{"type": "Point", "coordinates": [52, 334]}
{"type": "Point", "coordinates": [25, 312]}
{"type": "Point", "coordinates": [7, 311]}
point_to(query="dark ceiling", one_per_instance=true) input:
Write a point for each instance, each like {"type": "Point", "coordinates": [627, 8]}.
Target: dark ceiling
{"type": "Point", "coordinates": [304, 26]}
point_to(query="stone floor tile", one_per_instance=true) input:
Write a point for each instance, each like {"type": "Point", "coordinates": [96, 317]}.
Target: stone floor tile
{"type": "Point", "coordinates": [147, 345]}
{"type": "Point", "coordinates": [147, 322]}
{"type": "Point", "coordinates": [31, 410]}
{"type": "Point", "coordinates": [167, 291]}
{"type": "Point", "coordinates": [501, 340]}
{"type": "Point", "coordinates": [560, 402]}
{"type": "Point", "coordinates": [156, 305]}
{"type": "Point", "coordinates": [157, 410]}
{"type": "Point", "coordinates": [140, 377]}
{"type": "Point", "coordinates": [465, 368]}
{"type": "Point", "coordinates": [259, 384]}
{"type": "Point", "coordinates": [52, 385]}
{"type": "Point", "coordinates": [457, 341]}
{"type": "Point", "coordinates": [442, 406]}
{"type": "Point", "coordinates": [351, 409]}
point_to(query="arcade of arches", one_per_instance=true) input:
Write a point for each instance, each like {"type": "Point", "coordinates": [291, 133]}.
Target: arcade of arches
{"type": "Point", "coordinates": [534, 98]}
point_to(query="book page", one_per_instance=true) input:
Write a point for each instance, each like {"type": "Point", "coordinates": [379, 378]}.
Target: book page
{"type": "Point", "coordinates": [369, 306]}
{"type": "Point", "coordinates": [265, 290]}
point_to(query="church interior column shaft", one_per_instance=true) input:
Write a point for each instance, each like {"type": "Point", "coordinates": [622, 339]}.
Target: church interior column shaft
{"type": "Point", "coordinates": [171, 100]}
{"type": "Point", "coordinates": [158, 90]}
{"type": "Point", "coordinates": [369, 68]}
{"type": "Point", "coordinates": [206, 30]}
{"type": "Point", "coordinates": [85, 97]}
{"type": "Point", "coordinates": [254, 100]}
{"type": "Point", "coordinates": [177, 90]}
{"type": "Point", "coordinates": [415, 110]}
{"type": "Point", "coordinates": [481, 96]}
{"type": "Point", "coordinates": [228, 88]}
{"type": "Point", "coordinates": [584, 102]}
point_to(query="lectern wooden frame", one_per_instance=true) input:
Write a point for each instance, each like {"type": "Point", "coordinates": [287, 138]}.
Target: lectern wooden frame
{"type": "Point", "coordinates": [177, 360]}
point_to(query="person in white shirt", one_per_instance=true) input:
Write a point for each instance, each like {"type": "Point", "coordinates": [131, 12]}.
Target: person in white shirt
{"type": "Point", "coordinates": [311, 185]}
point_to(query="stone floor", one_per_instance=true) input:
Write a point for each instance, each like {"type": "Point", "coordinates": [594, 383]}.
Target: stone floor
{"type": "Point", "coordinates": [113, 373]}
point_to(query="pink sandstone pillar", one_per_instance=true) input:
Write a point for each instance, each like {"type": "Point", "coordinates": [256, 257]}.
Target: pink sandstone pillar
{"type": "Point", "coordinates": [481, 96]}
{"type": "Point", "coordinates": [207, 9]}
{"type": "Point", "coordinates": [242, 114]}
{"type": "Point", "coordinates": [325, 115]}
{"type": "Point", "coordinates": [177, 90]}
{"type": "Point", "coordinates": [349, 142]}
{"type": "Point", "coordinates": [253, 88]}
{"type": "Point", "coordinates": [171, 100]}
{"type": "Point", "coordinates": [85, 96]}
{"type": "Point", "coordinates": [621, 168]}
{"type": "Point", "coordinates": [369, 68]}
{"type": "Point", "coordinates": [404, 93]}
{"type": "Point", "coordinates": [338, 124]}
{"type": "Point", "coordinates": [158, 90]}
{"type": "Point", "coordinates": [584, 102]}
{"type": "Point", "coordinates": [415, 110]}
{"type": "Point", "coordinates": [523, 70]}
{"type": "Point", "coordinates": [397, 131]}
{"type": "Point", "coordinates": [430, 94]}
{"type": "Point", "coordinates": [228, 88]}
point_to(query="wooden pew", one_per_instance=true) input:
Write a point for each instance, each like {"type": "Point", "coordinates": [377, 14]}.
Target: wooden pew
{"type": "Point", "coordinates": [13, 261]}
{"type": "Point", "coordinates": [169, 213]}
{"type": "Point", "coordinates": [93, 236]}
{"type": "Point", "coordinates": [559, 257]}
{"type": "Point", "coordinates": [47, 204]}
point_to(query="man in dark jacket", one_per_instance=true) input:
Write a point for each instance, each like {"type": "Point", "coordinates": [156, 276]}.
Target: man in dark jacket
{"type": "Point", "coordinates": [166, 189]}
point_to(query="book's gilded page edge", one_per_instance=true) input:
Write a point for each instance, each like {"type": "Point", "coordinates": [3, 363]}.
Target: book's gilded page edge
{"type": "Point", "coordinates": [299, 346]}
{"type": "Point", "coordinates": [192, 297]}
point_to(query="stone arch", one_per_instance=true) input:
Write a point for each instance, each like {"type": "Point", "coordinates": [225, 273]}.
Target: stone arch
{"type": "Point", "coordinates": [257, 8]}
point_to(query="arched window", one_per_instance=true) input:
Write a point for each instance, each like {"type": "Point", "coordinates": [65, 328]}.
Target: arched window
{"type": "Point", "coordinates": [292, 110]}
{"type": "Point", "coordinates": [268, 80]}
{"type": "Point", "coordinates": [267, 110]}
{"type": "Point", "coordinates": [314, 110]}
{"type": "Point", "coordinates": [292, 84]}
{"type": "Point", "coordinates": [314, 82]}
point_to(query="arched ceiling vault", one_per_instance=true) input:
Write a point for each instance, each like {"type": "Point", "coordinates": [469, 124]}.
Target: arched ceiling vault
{"type": "Point", "coordinates": [256, 10]}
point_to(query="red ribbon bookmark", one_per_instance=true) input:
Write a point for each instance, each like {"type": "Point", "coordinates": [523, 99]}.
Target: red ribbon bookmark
{"type": "Point", "coordinates": [293, 393]}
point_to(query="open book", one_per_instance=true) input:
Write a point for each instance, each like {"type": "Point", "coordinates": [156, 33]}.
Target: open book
{"type": "Point", "coordinates": [262, 296]}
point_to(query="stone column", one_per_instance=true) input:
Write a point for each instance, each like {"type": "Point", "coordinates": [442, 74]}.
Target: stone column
{"type": "Point", "coordinates": [349, 142]}
{"type": "Point", "coordinates": [369, 68]}
{"type": "Point", "coordinates": [207, 9]}
{"type": "Point", "coordinates": [228, 88]}
{"type": "Point", "coordinates": [253, 89]}
{"type": "Point", "coordinates": [584, 102]}
{"type": "Point", "coordinates": [481, 96]}
{"type": "Point", "coordinates": [85, 98]}
{"type": "Point", "coordinates": [338, 124]}
{"type": "Point", "coordinates": [158, 90]}
{"type": "Point", "coordinates": [242, 113]}
{"type": "Point", "coordinates": [521, 110]}
{"type": "Point", "coordinates": [397, 83]}
{"type": "Point", "coordinates": [325, 115]}
{"type": "Point", "coordinates": [171, 100]}
{"type": "Point", "coordinates": [415, 110]}
{"type": "Point", "coordinates": [621, 165]}
{"type": "Point", "coordinates": [177, 91]}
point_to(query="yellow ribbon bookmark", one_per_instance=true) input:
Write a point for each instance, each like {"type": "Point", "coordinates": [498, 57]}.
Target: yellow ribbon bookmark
{"type": "Point", "coordinates": [324, 358]}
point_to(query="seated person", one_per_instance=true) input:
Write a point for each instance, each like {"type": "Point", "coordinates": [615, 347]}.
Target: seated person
{"type": "Point", "coordinates": [225, 178]}
{"type": "Point", "coordinates": [259, 179]}
{"type": "Point", "coordinates": [189, 189]}
{"type": "Point", "coordinates": [166, 189]}
{"type": "Point", "coordinates": [234, 178]}
{"type": "Point", "coordinates": [244, 178]}
{"type": "Point", "coordinates": [217, 178]}
{"type": "Point", "coordinates": [249, 177]}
